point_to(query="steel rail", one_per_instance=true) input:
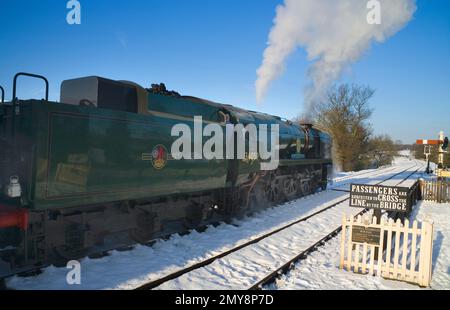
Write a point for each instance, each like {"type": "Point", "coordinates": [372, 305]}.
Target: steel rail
{"type": "Point", "coordinates": [155, 283]}
{"type": "Point", "coordinates": [378, 171]}
{"type": "Point", "coordinates": [349, 180]}
{"type": "Point", "coordinates": [177, 274]}
{"type": "Point", "coordinates": [285, 268]}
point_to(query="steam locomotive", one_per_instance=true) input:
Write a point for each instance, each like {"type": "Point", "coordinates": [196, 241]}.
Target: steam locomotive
{"type": "Point", "coordinates": [94, 172]}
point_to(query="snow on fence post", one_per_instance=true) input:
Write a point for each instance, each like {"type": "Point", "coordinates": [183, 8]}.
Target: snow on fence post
{"type": "Point", "coordinates": [392, 263]}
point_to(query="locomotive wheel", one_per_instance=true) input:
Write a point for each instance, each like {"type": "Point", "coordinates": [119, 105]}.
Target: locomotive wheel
{"type": "Point", "coordinates": [192, 222]}
{"type": "Point", "coordinates": [257, 200]}
{"type": "Point", "coordinates": [274, 190]}
{"type": "Point", "coordinates": [306, 188]}
{"type": "Point", "coordinates": [290, 187]}
{"type": "Point", "coordinates": [144, 229]}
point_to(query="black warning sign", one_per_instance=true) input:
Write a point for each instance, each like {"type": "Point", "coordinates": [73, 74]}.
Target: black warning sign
{"type": "Point", "coordinates": [380, 197]}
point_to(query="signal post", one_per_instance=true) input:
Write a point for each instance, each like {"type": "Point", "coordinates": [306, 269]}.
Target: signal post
{"type": "Point", "coordinates": [442, 144]}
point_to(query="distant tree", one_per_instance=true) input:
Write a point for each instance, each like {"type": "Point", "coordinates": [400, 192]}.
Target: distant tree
{"type": "Point", "coordinates": [344, 115]}
{"type": "Point", "coordinates": [381, 151]}
{"type": "Point", "coordinates": [418, 151]}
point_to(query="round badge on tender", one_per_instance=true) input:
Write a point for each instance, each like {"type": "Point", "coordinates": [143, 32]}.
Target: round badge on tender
{"type": "Point", "coordinates": [159, 157]}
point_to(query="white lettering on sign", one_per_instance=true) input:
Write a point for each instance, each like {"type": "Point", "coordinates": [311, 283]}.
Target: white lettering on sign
{"type": "Point", "coordinates": [380, 197]}
{"type": "Point", "coordinates": [374, 190]}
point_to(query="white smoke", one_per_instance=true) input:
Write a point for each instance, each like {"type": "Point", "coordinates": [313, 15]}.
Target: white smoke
{"type": "Point", "coordinates": [335, 33]}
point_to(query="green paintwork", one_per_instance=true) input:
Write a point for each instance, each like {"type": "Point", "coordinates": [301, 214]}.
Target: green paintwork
{"type": "Point", "coordinates": [290, 134]}
{"type": "Point", "coordinates": [183, 107]}
{"type": "Point", "coordinates": [87, 156]}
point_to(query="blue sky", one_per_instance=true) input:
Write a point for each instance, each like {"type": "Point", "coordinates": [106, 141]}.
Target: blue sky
{"type": "Point", "coordinates": [212, 49]}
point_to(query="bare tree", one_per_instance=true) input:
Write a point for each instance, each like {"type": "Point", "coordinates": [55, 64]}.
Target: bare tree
{"type": "Point", "coordinates": [344, 115]}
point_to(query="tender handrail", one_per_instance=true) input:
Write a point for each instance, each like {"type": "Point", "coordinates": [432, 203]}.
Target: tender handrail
{"type": "Point", "coordinates": [14, 99]}
{"type": "Point", "coordinates": [29, 75]}
{"type": "Point", "coordinates": [3, 94]}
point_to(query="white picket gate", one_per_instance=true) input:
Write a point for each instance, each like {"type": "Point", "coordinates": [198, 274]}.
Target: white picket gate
{"type": "Point", "coordinates": [407, 254]}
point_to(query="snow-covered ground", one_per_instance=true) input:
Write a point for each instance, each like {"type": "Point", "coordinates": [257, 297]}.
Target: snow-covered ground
{"type": "Point", "coordinates": [242, 269]}
{"type": "Point", "coordinates": [127, 270]}
{"type": "Point", "coordinates": [321, 269]}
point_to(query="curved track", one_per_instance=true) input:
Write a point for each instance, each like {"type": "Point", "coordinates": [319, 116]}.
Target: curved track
{"type": "Point", "coordinates": [233, 255]}
{"type": "Point", "coordinates": [285, 268]}
{"type": "Point", "coordinates": [359, 174]}
{"type": "Point", "coordinates": [175, 275]}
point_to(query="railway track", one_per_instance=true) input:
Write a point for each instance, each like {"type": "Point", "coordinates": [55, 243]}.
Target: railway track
{"type": "Point", "coordinates": [357, 175]}
{"type": "Point", "coordinates": [307, 204]}
{"type": "Point", "coordinates": [337, 189]}
{"type": "Point", "coordinates": [352, 179]}
{"type": "Point", "coordinates": [185, 271]}
{"type": "Point", "coordinates": [288, 266]}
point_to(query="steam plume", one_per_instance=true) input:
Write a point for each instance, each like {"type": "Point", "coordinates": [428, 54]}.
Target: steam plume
{"type": "Point", "coordinates": [335, 34]}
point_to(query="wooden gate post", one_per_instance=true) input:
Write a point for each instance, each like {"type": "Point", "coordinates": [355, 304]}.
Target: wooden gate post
{"type": "Point", "coordinates": [426, 254]}
{"type": "Point", "coordinates": [377, 214]}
